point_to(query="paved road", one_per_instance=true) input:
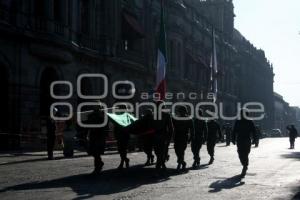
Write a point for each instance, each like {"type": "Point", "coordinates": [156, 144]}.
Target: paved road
{"type": "Point", "coordinates": [274, 173]}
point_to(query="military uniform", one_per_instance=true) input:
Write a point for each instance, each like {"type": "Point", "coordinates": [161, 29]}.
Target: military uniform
{"type": "Point", "coordinates": [162, 137]}
{"type": "Point", "coordinates": [144, 128]}
{"type": "Point", "coordinates": [97, 139]}
{"type": "Point", "coordinates": [198, 138]}
{"type": "Point", "coordinates": [122, 137]}
{"type": "Point", "coordinates": [182, 131]}
{"type": "Point", "coordinates": [244, 130]}
{"type": "Point", "coordinates": [213, 133]}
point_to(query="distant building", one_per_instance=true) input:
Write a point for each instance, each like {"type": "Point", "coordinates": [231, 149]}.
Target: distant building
{"type": "Point", "coordinates": [296, 111]}
{"type": "Point", "coordinates": [281, 112]}
{"type": "Point", "coordinates": [285, 114]}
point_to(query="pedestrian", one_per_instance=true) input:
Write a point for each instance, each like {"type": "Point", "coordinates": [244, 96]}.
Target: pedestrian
{"type": "Point", "coordinates": [243, 133]}
{"type": "Point", "coordinates": [213, 135]}
{"type": "Point", "coordinates": [197, 139]}
{"type": "Point", "coordinates": [293, 134]}
{"type": "Point", "coordinates": [183, 129]}
{"type": "Point", "coordinates": [51, 136]}
{"type": "Point", "coordinates": [164, 130]}
{"type": "Point", "coordinates": [97, 137]}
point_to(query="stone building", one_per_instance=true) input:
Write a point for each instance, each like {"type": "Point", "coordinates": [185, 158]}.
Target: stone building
{"type": "Point", "coordinates": [43, 41]}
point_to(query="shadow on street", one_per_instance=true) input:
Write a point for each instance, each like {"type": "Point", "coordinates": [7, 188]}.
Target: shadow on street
{"type": "Point", "coordinates": [40, 159]}
{"type": "Point", "coordinates": [228, 183]}
{"type": "Point", "coordinates": [108, 182]}
{"type": "Point", "coordinates": [292, 155]}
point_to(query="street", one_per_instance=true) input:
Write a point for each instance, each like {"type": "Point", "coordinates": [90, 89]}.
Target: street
{"type": "Point", "coordinates": [274, 173]}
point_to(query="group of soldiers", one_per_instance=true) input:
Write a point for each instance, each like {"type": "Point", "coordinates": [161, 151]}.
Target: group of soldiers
{"type": "Point", "coordinates": [158, 132]}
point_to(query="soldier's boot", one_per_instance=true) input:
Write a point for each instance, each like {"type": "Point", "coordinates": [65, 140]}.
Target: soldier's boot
{"type": "Point", "coordinates": [158, 163]}
{"type": "Point", "coordinates": [167, 157]}
{"type": "Point", "coordinates": [98, 167]}
{"type": "Point", "coordinates": [183, 165]}
{"type": "Point", "coordinates": [194, 164]}
{"type": "Point", "coordinates": [121, 165]}
{"type": "Point", "coordinates": [198, 161]}
{"type": "Point", "coordinates": [148, 162]}
{"type": "Point", "coordinates": [178, 166]}
{"type": "Point", "coordinates": [151, 159]}
{"type": "Point", "coordinates": [244, 171]}
{"type": "Point", "coordinates": [211, 161]}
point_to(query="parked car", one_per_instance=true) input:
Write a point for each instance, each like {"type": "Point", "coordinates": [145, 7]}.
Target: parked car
{"type": "Point", "coordinates": [276, 133]}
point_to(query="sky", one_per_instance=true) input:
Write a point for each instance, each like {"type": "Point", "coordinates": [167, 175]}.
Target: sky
{"type": "Point", "coordinates": [274, 26]}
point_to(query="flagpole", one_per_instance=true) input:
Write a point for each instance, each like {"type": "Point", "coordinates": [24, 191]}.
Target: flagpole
{"type": "Point", "coordinates": [214, 67]}
{"type": "Point", "coordinates": [161, 58]}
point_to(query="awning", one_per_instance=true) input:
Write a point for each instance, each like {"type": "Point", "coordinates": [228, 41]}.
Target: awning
{"type": "Point", "coordinates": [131, 27]}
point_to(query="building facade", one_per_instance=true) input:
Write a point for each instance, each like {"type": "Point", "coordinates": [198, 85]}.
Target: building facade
{"type": "Point", "coordinates": [44, 41]}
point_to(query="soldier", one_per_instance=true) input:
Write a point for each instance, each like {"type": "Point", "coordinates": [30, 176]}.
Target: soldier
{"type": "Point", "coordinates": [183, 128]}
{"type": "Point", "coordinates": [198, 138]}
{"type": "Point", "coordinates": [144, 127]}
{"type": "Point", "coordinates": [227, 133]}
{"type": "Point", "coordinates": [148, 138]}
{"type": "Point", "coordinates": [122, 136]}
{"type": "Point", "coordinates": [244, 130]}
{"type": "Point", "coordinates": [97, 137]}
{"type": "Point", "coordinates": [213, 134]}
{"type": "Point", "coordinates": [292, 135]}
{"type": "Point", "coordinates": [163, 133]}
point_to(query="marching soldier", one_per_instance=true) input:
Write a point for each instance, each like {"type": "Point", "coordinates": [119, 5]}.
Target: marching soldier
{"type": "Point", "coordinates": [213, 134]}
{"type": "Point", "coordinates": [163, 133]}
{"type": "Point", "coordinates": [97, 137]}
{"type": "Point", "coordinates": [198, 138]}
{"type": "Point", "coordinates": [244, 130]}
{"type": "Point", "coordinates": [148, 137]}
{"type": "Point", "coordinates": [183, 128]}
{"type": "Point", "coordinates": [122, 136]}
{"type": "Point", "coordinates": [144, 128]}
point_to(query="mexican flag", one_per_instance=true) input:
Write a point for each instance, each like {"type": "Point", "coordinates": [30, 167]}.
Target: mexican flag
{"type": "Point", "coordinates": [123, 120]}
{"type": "Point", "coordinates": [161, 58]}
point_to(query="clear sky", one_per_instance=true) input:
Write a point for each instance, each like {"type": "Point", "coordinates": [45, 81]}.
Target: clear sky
{"type": "Point", "coordinates": [274, 26]}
